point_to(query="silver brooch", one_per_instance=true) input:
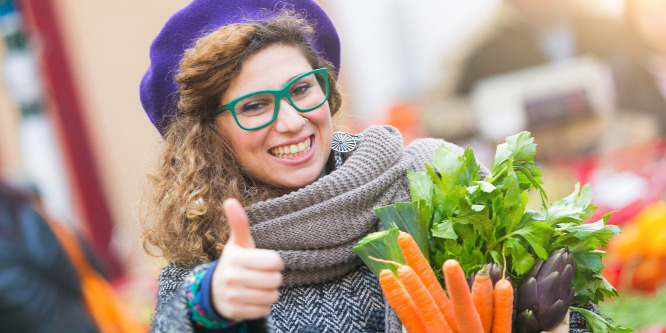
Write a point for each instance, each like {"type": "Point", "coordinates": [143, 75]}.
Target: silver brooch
{"type": "Point", "coordinates": [344, 142]}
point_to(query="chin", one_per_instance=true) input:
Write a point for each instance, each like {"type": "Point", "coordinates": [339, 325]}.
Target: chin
{"type": "Point", "coordinates": [298, 181]}
{"type": "Point", "coordinates": [297, 184]}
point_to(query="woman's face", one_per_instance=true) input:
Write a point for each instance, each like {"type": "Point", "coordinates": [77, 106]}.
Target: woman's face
{"type": "Point", "coordinates": [265, 152]}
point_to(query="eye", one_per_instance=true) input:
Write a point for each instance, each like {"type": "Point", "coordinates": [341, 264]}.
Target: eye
{"type": "Point", "coordinates": [253, 107]}
{"type": "Point", "coordinates": [301, 89]}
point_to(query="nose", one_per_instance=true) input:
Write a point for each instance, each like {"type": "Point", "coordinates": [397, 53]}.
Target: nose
{"type": "Point", "coordinates": [288, 118]}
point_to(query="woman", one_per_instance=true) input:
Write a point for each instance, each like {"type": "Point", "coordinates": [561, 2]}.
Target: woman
{"type": "Point", "coordinates": [255, 98]}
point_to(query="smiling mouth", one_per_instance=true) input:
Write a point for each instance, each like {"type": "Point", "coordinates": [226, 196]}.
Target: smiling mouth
{"type": "Point", "coordinates": [292, 150]}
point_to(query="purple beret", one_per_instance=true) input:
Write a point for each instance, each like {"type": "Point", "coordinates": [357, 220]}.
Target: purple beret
{"type": "Point", "coordinates": [159, 91]}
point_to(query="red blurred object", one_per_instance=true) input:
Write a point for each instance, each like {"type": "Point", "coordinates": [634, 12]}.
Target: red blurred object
{"type": "Point", "coordinates": [612, 273]}
{"type": "Point", "coordinates": [405, 117]}
{"type": "Point", "coordinates": [646, 160]}
{"type": "Point", "coordinates": [68, 113]}
{"type": "Point", "coordinates": [647, 274]}
{"type": "Point", "coordinates": [654, 329]}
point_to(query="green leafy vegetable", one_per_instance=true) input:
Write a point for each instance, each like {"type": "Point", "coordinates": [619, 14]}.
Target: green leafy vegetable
{"type": "Point", "coordinates": [381, 245]}
{"type": "Point", "coordinates": [596, 323]}
{"type": "Point", "coordinates": [410, 217]}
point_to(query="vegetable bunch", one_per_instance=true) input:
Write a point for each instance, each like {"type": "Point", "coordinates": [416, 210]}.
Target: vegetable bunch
{"type": "Point", "coordinates": [457, 214]}
{"type": "Point", "coordinates": [423, 306]}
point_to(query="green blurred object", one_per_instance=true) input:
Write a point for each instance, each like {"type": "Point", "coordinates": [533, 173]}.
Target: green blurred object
{"type": "Point", "coordinates": [637, 310]}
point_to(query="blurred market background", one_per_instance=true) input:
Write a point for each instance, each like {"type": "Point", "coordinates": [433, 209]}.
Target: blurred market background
{"type": "Point", "coordinates": [586, 77]}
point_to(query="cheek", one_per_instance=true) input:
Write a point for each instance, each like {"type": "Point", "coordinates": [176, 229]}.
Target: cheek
{"type": "Point", "coordinates": [325, 127]}
{"type": "Point", "coordinates": [322, 117]}
{"type": "Point", "coordinates": [246, 147]}
{"type": "Point", "coordinates": [243, 143]}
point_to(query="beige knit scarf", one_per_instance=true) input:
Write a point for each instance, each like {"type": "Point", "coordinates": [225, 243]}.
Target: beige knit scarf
{"type": "Point", "coordinates": [315, 228]}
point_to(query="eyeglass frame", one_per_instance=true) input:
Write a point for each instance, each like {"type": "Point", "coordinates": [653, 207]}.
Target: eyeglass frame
{"type": "Point", "coordinates": [278, 95]}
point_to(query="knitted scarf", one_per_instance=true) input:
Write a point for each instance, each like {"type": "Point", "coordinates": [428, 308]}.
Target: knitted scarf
{"type": "Point", "coordinates": [315, 228]}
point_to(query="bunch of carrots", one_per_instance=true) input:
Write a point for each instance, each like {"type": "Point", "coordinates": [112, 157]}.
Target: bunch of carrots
{"type": "Point", "coordinates": [424, 307]}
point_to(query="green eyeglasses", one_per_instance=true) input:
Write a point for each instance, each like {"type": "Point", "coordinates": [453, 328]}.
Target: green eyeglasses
{"type": "Point", "coordinates": [306, 92]}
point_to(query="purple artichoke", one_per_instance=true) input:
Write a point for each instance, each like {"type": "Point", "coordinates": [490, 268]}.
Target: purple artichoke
{"type": "Point", "coordinates": [546, 294]}
{"type": "Point", "coordinates": [494, 270]}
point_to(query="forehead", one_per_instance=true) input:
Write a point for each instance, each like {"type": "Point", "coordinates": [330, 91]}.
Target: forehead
{"type": "Point", "coordinates": [270, 68]}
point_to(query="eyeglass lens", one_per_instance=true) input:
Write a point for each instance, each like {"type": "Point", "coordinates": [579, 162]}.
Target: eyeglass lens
{"type": "Point", "coordinates": [304, 94]}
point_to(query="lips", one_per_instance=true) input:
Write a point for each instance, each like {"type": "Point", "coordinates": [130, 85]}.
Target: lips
{"type": "Point", "coordinates": [292, 150]}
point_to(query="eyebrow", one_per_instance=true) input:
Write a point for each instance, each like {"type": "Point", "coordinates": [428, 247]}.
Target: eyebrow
{"type": "Point", "coordinates": [295, 76]}
{"type": "Point", "coordinates": [287, 81]}
{"type": "Point", "coordinates": [284, 84]}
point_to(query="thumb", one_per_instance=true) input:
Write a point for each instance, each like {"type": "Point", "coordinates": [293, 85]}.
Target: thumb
{"type": "Point", "coordinates": [239, 223]}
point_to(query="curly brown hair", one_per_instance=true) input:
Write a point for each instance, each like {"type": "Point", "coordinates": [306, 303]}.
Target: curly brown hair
{"type": "Point", "coordinates": [197, 169]}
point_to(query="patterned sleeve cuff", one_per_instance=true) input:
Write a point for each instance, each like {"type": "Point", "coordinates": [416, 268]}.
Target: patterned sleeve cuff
{"type": "Point", "coordinates": [204, 292]}
{"type": "Point", "coordinates": [200, 317]}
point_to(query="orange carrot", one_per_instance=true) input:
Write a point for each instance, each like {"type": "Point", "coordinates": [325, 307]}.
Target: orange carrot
{"type": "Point", "coordinates": [463, 308]}
{"type": "Point", "coordinates": [503, 306]}
{"type": "Point", "coordinates": [432, 317]}
{"type": "Point", "coordinates": [403, 306]}
{"type": "Point", "coordinates": [418, 262]}
{"type": "Point", "coordinates": [482, 296]}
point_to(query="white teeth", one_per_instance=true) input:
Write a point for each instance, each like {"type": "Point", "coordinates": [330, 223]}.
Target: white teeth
{"type": "Point", "coordinates": [293, 150]}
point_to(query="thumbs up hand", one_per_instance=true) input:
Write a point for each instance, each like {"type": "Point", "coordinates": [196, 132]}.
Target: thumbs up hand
{"type": "Point", "coordinates": [246, 280]}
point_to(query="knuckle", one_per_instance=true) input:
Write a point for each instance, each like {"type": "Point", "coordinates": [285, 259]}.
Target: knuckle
{"type": "Point", "coordinates": [233, 297]}
{"type": "Point", "coordinates": [260, 311]}
{"type": "Point", "coordinates": [229, 277]}
{"type": "Point", "coordinates": [235, 258]}
{"type": "Point", "coordinates": [233, 280]}
{"type": "Point", "coordinates": [276, 279]}
{"type": "Point", "coordinates": [233, 312]}
{"type": "Point", "coordinates": [223, 271]}
{"type": "Point", "coordinates": [273, 297]}
{"type": "Point", "coordinates": [265, 311]}
{"type": "Point", "coordinates": [276, 261]}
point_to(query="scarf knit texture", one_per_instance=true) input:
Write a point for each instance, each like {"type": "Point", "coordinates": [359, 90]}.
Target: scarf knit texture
{"type": "Point", "coordinates": [326, 287]}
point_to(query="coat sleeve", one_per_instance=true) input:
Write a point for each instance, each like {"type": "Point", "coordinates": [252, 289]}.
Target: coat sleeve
{"type": "Point", "coordinates": [577, 322]}
{"type": "Point", "coordinates": [172, 313]}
